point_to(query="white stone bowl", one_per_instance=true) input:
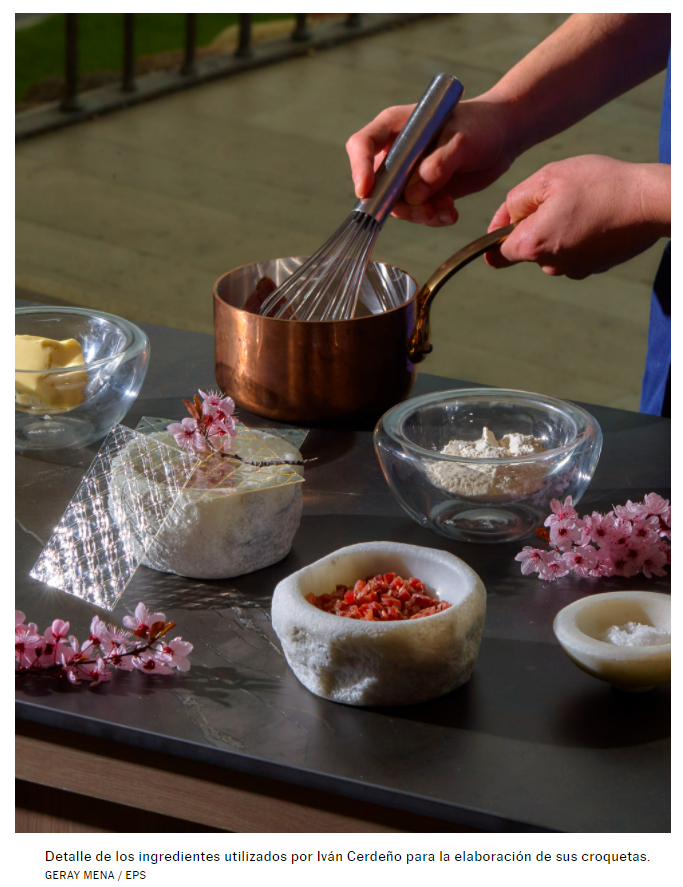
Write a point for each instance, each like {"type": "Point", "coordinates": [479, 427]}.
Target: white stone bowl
{"type": "Point", "coordinates": [580, 627]}
{"type": "Point", "coordinates": [381, 663]}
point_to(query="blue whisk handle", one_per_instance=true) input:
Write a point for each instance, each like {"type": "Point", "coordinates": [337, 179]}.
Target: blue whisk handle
{"type": "Point", "coordinates": [423, 125]}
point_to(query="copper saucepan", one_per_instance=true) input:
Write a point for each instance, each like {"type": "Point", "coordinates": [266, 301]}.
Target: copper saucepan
{"type": "Point", "coordinates": [328, 372]}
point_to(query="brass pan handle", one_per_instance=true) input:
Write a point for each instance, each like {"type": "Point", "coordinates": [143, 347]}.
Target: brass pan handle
{"type": "Point", "coordinates": [418, 344]}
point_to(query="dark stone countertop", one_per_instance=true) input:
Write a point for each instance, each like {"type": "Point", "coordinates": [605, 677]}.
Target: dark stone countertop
{"type": "Point", "coordinates": [531, 743]}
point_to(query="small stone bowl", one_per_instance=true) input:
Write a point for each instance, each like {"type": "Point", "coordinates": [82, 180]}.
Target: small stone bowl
{"type": "Point", "coordinates": [381, 663]}
{"type": "Point", "coordinates": [581, 627]}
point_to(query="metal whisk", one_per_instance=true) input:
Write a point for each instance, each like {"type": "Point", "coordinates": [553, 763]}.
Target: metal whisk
{"type": "Point", "coordinates": [327, 285]}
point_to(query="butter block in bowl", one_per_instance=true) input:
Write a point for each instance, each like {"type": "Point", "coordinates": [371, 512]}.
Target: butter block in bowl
{"type": "Point", "coordinates": [76, 374]}
{"type": "Point", "coordinates": [45, 389]}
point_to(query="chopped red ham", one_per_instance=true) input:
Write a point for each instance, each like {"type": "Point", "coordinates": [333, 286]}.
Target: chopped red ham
{"type": "Point", "coordinates": [381, 598]}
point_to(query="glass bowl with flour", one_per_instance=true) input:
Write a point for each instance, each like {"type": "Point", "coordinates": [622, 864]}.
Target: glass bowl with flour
{"type": "Point", "coordinates": [482, 464]}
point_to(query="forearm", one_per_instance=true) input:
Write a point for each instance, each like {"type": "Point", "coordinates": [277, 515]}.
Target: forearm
{"type": "Point", "coordinates": [655, 196]}
{"type": "Point", "coordinates": [589, 60]}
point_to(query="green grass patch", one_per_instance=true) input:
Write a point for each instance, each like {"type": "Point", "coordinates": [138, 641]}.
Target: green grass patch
{"type": "Point", "coordinates": [40, 48]}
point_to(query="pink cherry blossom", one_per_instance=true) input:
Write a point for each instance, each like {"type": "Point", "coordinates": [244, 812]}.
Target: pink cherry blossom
{"type": "Point", "coordinates": [666, 548]}
{"type": "Point", "coordinates": [118, 658]}
{"type": "Point", "coordinates": [59, 654]}
{"type": "Point", "coordinates": [143, 620]}
{"type": "Point", "coordinates": [50, 650]}
{"type": "Point", "coordinates": [215, 425]}
{"type": "Point", "coordinates": [636, 550]}
{"type": "Point", "coordinates": [561, 511]}
{"type": "Point", "coordinates": [96, 672]}
{"type": "Point", "coordinates": [582, 560]}
{"type": "Point", "coordinates": [564, 533]}
{"type": "Point", "coordinates": [99, 636]}
{"type": "Point", "coordinates": [217, 413]}
{"type": "Point", "coordinates": [175, 653]}
{"type": "Point", "coordinates": [531, 559]}
{"type": "Point", "coordinates": [215, 402]}
{"type": "Point", "coordinates": [75, 648]}
{"type": "Point", "coordinates": [654, 562]}
{"type": "Point", "coordinates": [631, 539]}
{"type": "Point", "coordinates": [630, 511]}
{"type": "Point", "coordinates": [646, 529]}
{"type": "Point", "coordinates": [26, 638]}
{"type": "Point", "coordinates": [59, 630]}
{"type": "Point", "coordinates": [619, 534]}
{"type": "Point", "coordinates": [188, 436]}
{"type": "Point", "coordinates": [73, 674]}
{"type": "Point", "coordinates": [653, 504]}
{"type": "Point", "coordinates": [624, 566]}
{"type": "Point", "coordinates": [585, 527]}
{"type": "Point", "coordinates": [148, 662]}
{"type": "Point", "coordinates": [553, 566]}
{"type": "Point", "coordinates": [601, 527]}
{"type": "Point", "coordinates": [604, 567]}
{"type": "Point", "coordinates": [68, 657]}
{"type": "Point", "coordinates": [118, 637]}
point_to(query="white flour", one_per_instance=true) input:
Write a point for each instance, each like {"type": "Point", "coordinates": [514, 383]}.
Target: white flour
{"type": "Point", "coordinates": [487, 479]}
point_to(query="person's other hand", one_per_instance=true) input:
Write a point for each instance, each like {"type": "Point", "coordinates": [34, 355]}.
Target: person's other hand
{"type": "Point", "coordinates": [473, 150]}
{"type": "Point", "coordinates": [583, 215]}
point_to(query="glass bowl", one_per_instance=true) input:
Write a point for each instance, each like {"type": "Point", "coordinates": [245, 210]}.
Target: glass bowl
{"type": "Point", "coordinates": [485, 500]}
{"type": "Point", "coordinates": [85, 401]}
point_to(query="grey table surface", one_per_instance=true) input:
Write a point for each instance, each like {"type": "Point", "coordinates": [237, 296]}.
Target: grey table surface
{"type": "Point", "coordinates": [529, 744]}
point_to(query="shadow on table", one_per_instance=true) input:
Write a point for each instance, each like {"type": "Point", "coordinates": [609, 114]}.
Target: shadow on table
{"type": "Point", "coordinates": [531, 692]}
{"type": "Point", "coordinates": [220, 683]}
{"type": "Point", "coordinates": [166, 591]}
{"type": "Point", "coordinates": [122, 684]}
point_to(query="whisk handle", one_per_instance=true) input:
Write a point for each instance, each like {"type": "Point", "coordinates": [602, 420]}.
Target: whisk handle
{"type": "Point", "coordinates": [426, 121]}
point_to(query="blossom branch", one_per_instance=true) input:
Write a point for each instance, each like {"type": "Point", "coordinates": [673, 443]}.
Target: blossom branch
{"type": "Point", "coordinates": [142, 647]}
{"type": "Point", "coordinates": [631, 539]}
{"type": "Point", "coordinates": [214, 417]}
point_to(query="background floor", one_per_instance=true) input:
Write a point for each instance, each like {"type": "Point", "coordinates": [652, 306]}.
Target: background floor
{"type": "Point", "coordinates": [139, 212]}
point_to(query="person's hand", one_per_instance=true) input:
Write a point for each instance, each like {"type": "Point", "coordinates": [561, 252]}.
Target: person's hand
{"type": "Point", "coordinates": [474, 149]}
{"type": "Point", "coordinates": [584, 215]}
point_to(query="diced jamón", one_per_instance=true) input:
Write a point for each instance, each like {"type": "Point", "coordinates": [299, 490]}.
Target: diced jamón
{"type": "Point", "coordinates": [381, 598]}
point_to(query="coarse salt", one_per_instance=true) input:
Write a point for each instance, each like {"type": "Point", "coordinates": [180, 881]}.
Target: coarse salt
{"type": "Point", "coordinates": [636, 634]}
{"type": "Point", "coordinates": [490, 479]}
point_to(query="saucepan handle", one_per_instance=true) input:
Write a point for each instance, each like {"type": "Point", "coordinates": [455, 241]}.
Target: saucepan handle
{"type": "Point", "coordinates": [418, 344]}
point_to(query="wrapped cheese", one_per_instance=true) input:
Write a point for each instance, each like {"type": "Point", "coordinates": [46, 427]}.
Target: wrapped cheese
{"type": "Point", "coordinates": [231, 517]}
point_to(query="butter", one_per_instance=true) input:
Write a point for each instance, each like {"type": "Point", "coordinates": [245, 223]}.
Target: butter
{"type": "Point", "coordinates": [58, 390]}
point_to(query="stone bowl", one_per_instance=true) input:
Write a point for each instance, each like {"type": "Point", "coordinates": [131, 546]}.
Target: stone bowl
{"type": "Point", "coordinates": [381, 663]}
{"type": "Point", "coordinates": [581, 627]}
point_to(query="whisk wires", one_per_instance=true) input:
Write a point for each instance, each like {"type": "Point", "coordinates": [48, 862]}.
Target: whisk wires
{"type": "Point", "coordinates": [327, 285]}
